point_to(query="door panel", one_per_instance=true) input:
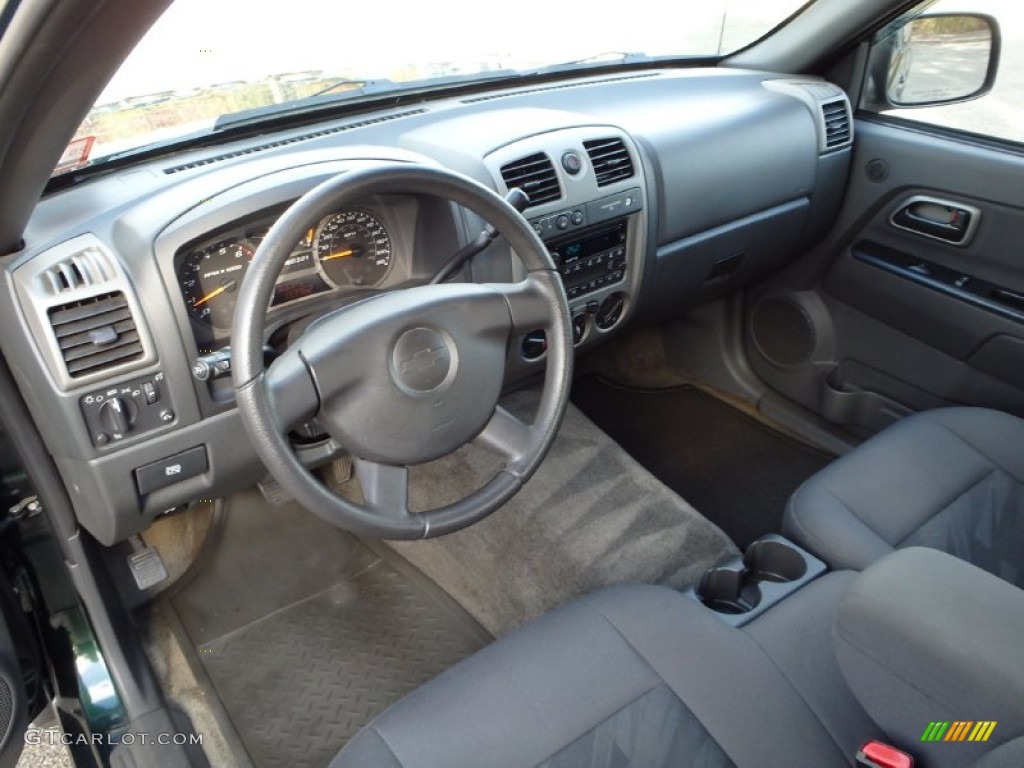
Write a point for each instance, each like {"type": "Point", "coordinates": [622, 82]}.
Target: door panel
{"type": "Point", "coordinates": [916, 298]}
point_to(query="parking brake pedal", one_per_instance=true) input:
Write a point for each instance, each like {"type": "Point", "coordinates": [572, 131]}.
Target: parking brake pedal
{"type": "Point", "coordinates": [146, 565]}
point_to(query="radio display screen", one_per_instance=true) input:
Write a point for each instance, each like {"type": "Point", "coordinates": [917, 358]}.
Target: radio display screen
{"type": "Point", "coordinates": [592, 261]}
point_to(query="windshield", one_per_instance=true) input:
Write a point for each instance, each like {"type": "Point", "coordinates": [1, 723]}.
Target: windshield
{"type": "Point", "coordinates": [207, 64]}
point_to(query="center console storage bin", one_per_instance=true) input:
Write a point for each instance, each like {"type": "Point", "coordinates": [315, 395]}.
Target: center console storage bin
{"type": "Point", "coordinates": [924, 637]}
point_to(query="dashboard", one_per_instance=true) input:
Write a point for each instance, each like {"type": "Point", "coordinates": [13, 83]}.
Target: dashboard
{"type": "Point", "coordinates": [653, 191]}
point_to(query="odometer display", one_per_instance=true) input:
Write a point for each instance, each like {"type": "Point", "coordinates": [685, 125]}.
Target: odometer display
{"type": "Point", "coordinates": [353, 249]}
{"type": "Point", "coordinates": [300, 288]}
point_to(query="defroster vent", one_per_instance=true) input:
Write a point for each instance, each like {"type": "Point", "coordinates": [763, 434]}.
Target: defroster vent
{"type": "Point", "coordinates": [535, 175]}
{"type": "Point", "coordinates": [837, 123]}
{"type": "Point", "coordinates": [610, 159]}
{"type": "Point", "coordinates": [96, 333]}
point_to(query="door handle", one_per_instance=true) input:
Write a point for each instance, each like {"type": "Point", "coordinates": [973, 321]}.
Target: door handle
{"type": "Point", "coordinates": [943, 220]}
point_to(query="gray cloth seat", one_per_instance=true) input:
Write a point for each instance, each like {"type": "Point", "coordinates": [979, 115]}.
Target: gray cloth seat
{"type": "Point", "coordinates": [639, 676]}
{"type": "Point", "coordinates": [950, 479]}
{"type": "Point", "coordinates": [643, 676]}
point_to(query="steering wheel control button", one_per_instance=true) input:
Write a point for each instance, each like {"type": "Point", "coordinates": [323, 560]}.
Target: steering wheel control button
{"type": "Point", "coordinates": [572, 163]}
{"type": "Point", "coordinates": [422, 360]}
{"type": "Point", "coordinates": [173, 469]}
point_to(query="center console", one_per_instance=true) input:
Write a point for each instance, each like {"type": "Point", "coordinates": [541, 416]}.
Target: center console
{"type": "Point", "coordinates": [922, 638]}
{"type": "Point", "coordinates": [745, 586]}
{"type": "Point", "coordinates": [587, 199]}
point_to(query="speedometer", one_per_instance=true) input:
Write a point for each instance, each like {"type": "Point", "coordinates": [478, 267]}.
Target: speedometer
{"type": "Point", "coordinates": [210, 278]}
{"type": "Point", "coordinates": [353, 248]}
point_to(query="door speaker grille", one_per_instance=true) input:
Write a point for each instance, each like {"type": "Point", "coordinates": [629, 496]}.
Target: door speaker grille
{"type": "Point", "coordinates": [783, 331]}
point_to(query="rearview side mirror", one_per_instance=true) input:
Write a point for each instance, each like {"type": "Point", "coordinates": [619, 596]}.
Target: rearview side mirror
{"type": "Point", "coordinates": [937, 59]}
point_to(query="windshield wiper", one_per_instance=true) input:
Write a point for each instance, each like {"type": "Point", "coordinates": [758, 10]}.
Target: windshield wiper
{"type": "Point", "coordinates": [319, 100]}
{"type": "Point", "coordinates": [323, 100]}
{"type": "Point", "coordinates": [361, 86]}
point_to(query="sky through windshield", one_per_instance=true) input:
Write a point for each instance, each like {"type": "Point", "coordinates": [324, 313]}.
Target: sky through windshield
{"type": "Point", "coordinates": [204, 58]}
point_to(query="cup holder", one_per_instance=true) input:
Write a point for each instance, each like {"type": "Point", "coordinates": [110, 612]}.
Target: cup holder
{"type": "Point", "coordinates": [726, 589]}
{"type": "Point", "coordinates": [770, 560]}
{"type": "Point", "coordinates": [743, 587]}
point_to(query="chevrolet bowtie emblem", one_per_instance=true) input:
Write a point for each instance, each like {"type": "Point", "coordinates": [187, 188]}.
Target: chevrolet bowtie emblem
{"type": "Point", "coordinates": [422, 360]}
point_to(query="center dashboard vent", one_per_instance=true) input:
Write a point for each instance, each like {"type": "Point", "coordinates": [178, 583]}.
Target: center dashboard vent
{"type": "Point", "coordinates": [95, 334]}
{"type": "Point", "coordinates": [535, 175]}
{"type": "Point", "coordinates": [836, 115]}
{"type": "Point", "coordinates": [610, 159]}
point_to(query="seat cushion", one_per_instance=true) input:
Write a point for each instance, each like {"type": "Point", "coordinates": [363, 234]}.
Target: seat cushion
{"type": "Point", "coordinates": [951, 479]}
{"type": "Point", "coordinates": [632, 675]}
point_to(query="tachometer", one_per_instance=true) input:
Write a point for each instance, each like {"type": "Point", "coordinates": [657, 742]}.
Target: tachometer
{"type": "Point", "coordinates": [353, 248]}
{"type": "Point", "coordinates": [210, 278]}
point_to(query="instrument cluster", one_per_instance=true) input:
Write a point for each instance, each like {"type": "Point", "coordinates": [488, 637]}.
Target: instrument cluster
{"type": "Point", "coordinates": [349, 249]}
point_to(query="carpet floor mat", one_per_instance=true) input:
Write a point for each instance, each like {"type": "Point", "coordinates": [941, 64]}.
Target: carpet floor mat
{"type": "Point", "coordinates": [591, 516]}
{"type": "Point", "coordinates": [737, 471]}
{"type": "Point", "coordinates": [305, 634]}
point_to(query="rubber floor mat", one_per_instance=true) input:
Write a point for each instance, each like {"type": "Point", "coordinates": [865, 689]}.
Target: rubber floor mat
{"type": "Point", "coordinates": [732, 468]}
{"type": "Point", "coordinates": [300, 680]}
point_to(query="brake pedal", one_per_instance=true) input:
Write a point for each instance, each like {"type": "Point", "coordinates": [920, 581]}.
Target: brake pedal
{"type": "Point", "coordinates": [273, 493]}
{"type": "Point", "coordinates": [147, 568]}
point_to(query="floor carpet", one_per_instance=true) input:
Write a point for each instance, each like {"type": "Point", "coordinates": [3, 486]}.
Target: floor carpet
{"type": "Point", "coordinates": [734, 469]}
{"type": "Point", "coordinates": [305, 634]}
{"type": "Point", "coordinates": [591, 516]}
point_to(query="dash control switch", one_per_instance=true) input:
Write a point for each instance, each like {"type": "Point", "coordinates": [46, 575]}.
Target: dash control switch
{"type": "Point", "coordinates": [173, 469]}
{"type": "Point", "coordinates": [126, 409]}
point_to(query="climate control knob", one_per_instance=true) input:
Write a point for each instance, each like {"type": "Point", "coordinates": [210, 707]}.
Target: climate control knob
{"type": "Point", "coordinates": [610, 311]}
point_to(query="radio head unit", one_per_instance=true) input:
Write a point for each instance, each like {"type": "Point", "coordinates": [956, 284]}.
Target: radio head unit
{"type": "Point", "coordinates": [589, 261]}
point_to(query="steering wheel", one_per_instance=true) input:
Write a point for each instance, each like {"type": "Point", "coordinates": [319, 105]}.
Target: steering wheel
{"type": "Point", "coordinates": [404, 377]}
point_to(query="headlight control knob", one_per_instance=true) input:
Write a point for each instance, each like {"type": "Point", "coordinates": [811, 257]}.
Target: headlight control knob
{"type": "Point", "coordinates": [117, 415]}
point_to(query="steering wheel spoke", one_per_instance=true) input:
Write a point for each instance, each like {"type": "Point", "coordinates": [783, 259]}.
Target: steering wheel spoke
{"type": "Point", "coordinates": [385, 488]}
{"type": "Point", "coordinates": [294, 397]}
{"type": "Point", "coordinates": [529, 302]}
{"type": "Point", "coordinates": [507, 437]}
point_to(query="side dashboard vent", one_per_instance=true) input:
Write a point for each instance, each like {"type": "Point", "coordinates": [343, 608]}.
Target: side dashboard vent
{"type": "Point", "coordinates": [535, 175]}
{"type": "Point", "coordinates": [83, 270]}
{"type": "Point", "coordinates": [610, 159]}
{"type": "Point", "coordinates": [836, 115]}
{"type": "Point", "coordinates": [95, 334]}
